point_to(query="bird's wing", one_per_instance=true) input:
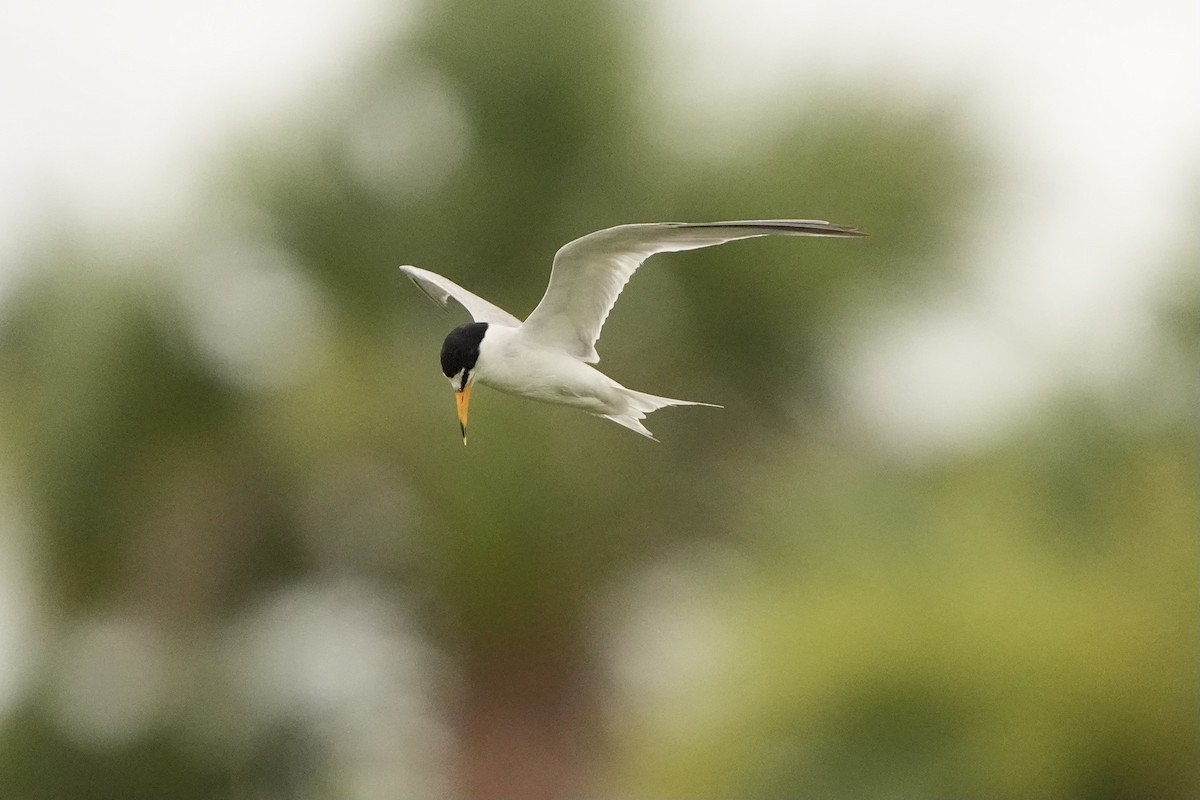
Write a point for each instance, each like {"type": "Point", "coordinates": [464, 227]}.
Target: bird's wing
{"type": "Point", "coordinates": [440, 290]}
{"type": "Point", "coordinates": [590, 272]}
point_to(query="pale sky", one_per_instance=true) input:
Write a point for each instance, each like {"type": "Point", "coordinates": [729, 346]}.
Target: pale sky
{"type": "Point", "coordinates": [112, 110]}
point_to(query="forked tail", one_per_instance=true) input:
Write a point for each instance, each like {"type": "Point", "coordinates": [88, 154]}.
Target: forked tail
{"type": "Point", "coordinates": [639, 404]}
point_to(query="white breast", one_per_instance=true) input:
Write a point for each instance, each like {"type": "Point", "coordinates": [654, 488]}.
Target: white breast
{"type": "Point", "coordinates": [510, 363]}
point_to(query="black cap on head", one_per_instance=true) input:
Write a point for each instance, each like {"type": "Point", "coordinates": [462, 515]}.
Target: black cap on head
{"type": "Point", "coordinates": [460, 350]}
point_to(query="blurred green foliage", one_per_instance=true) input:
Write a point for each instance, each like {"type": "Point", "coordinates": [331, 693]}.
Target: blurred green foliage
{"type": "Point", "coordinates": [1013, 625]}
{"type": "Point", "coordinates": [1017, 623]}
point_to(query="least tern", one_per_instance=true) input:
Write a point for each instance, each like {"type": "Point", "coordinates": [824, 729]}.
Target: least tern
{"type": "Point", "coordinates": [548, 356]}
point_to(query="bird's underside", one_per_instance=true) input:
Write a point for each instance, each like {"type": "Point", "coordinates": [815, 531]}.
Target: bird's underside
{"type": "Point", "coordinates": [549, 375]}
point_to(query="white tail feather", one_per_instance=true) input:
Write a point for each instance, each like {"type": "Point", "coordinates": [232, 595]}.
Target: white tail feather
{"type": "Point", "coordinates": [639, 404]}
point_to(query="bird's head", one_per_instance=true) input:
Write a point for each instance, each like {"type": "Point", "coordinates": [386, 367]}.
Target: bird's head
{"type": "Point", "coordinates": [460, 354]}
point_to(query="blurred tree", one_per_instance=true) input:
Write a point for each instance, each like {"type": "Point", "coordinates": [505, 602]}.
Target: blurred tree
{"type": "Point", "coordinates": [551, 146]}
{"type": "Point", "coordinates": [1022, 624]}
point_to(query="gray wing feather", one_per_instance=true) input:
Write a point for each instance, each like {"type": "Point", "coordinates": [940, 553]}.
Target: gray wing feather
{"type": "Point", "coordinates": [590, 272]}
{"type": "Point", "coordinates": [441, 290]}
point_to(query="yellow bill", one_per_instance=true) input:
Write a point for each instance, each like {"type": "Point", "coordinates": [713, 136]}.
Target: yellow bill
{"type": "Point", "coordinates": [463, 401]}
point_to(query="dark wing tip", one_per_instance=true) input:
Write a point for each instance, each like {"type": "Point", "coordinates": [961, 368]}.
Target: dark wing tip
{"type": "Point", "coordinates": [808, 227]}
{"type": "Point", "coordinates": [803, 227]}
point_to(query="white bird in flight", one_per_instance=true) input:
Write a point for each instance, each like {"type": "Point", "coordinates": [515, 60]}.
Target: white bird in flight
{"type": "Point", "coordinates": [548, 356]}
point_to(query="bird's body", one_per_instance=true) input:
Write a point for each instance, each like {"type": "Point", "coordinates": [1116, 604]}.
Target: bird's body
{"type": "Point", "coordinates": [548, 357]}
{"type": "Point", "coordinates": [510, 362]}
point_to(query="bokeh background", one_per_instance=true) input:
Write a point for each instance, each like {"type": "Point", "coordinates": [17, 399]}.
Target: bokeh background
{"type": "Point", "coordinates": [942, 541]}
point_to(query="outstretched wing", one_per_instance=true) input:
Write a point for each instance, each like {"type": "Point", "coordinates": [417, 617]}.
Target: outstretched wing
{"type": "Point", "coordinates": [590, 272]}
{"type": "Point", "coordinates": [440, 290]}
